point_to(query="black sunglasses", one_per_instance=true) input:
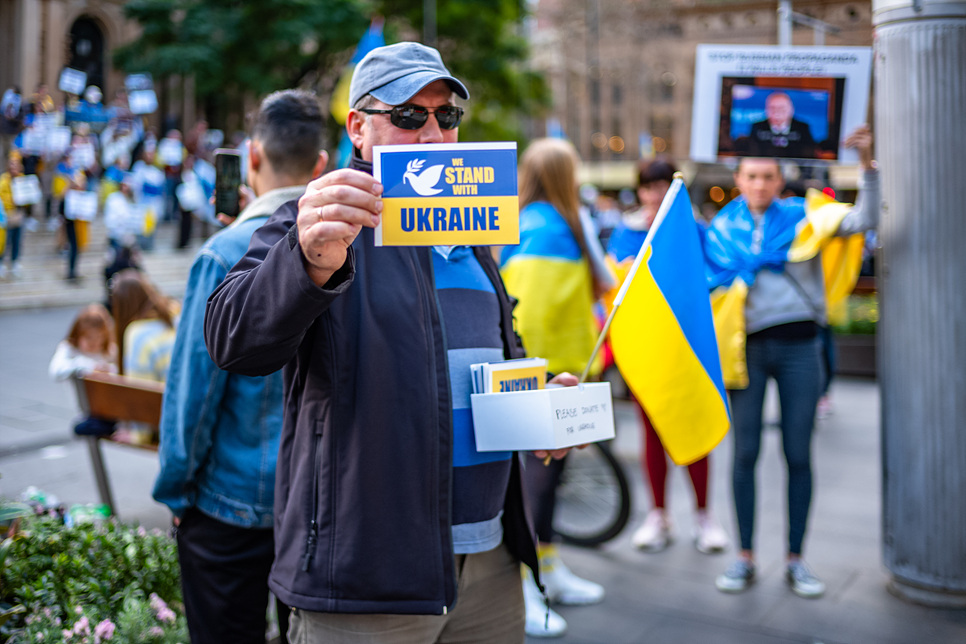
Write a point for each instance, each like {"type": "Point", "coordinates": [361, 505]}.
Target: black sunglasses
{"type": "Point", "coordinates": [413, 117]}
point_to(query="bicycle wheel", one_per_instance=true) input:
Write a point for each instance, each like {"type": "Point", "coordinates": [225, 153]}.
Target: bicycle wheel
{"type": "Point", "coordinates": [593, 498]}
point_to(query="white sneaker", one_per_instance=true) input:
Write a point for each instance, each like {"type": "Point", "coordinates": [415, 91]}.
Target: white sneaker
{"type": "Point", "coordinates": [709, 537]}
{"type": "Point", "coordinates": [30, 224]}
{"type": "Point", "coordinates": [654, 534]}
{"type": "Point", "coordinates": [3, 270]}
{"type": "Point", "coordinates": [541, 620]}
{"type": "Point", "coordinates": [803, 581]}
{"type": "Point", "coordinates": [737, 578]}
{"type": "Point", "coordinates": [564, 587]}
{"type": "Point", "coordinates": [17, 270]}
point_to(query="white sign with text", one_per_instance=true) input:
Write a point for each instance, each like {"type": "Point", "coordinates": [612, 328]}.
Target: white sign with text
{"type": "Point", "coordinates": [26, 190]}
{"type": "Point", "coordinates": [72, 81]}
{"type": "Point", "coordinates": [143, 101]}
{"type": "Point", "coordinates": [81, 205]}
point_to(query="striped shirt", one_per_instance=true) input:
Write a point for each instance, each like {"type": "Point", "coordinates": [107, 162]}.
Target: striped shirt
{"type": "Point", "coordinates": [147, 349]}
{"type": "Point", "coordinates": [471, 319]}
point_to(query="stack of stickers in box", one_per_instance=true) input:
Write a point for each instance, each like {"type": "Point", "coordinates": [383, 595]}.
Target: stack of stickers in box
{"type": "Point", "coordinates": [523, 374]}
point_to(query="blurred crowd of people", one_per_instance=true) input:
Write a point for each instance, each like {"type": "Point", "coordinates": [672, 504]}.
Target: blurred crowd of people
{"type": "Point", "coordinates": [67, 163]}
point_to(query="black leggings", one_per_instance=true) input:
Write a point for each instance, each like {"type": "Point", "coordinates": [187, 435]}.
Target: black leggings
{"type": "Point", "coordinates": [541, 485]}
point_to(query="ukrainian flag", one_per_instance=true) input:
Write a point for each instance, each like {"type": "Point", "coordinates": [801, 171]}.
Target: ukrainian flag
{"type": "Point", "coordinates": [339, 103]}
{"type": "Point", "coordinates": [551, 278]}
{"type": "Point", "coordinates": [796, 231]}
{"type": "Point", "coordinates": [663, 337]}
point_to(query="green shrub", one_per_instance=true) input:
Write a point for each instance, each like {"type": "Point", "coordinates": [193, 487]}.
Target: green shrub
{"type": "Point", "coordinates": [862, 316]}
{"type": "Point", "coordinates": [122, 580]}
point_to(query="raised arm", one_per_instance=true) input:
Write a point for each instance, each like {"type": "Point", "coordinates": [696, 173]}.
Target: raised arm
{"type": "Point", "coordinates": [865, 214]}
{"type": "Point", "coordinates": [296, 265]}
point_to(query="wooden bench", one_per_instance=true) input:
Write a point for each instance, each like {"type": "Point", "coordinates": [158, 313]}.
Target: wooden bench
{"type": "Point", "coordinates": [114, 398]}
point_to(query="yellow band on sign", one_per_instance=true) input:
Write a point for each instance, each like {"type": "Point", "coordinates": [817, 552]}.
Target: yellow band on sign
{"type": "Point", "coordinates": [436, 221]}
{"type": "Point", "coordinates": [526, 379]}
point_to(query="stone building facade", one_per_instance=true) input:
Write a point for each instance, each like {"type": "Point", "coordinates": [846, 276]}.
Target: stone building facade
{"type": "Point", "coordinates": [621, 70]}
{"type": "Point", "coordinates": [39, 38]}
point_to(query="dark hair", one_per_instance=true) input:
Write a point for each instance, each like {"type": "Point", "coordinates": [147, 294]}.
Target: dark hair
{"type": "Point", "coordinates": [795, 188]}
{"type": "Point", "coordinates": [290, 127]}
{"type": "Point", "coordinates": [656, 170]}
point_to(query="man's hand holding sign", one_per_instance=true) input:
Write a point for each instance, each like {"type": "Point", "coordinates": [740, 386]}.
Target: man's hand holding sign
{"type": "Point", "coordinates": [332, 211]}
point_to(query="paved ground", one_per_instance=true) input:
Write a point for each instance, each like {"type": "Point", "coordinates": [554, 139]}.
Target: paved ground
{"type": "Point", "coordinates": [44, 267]}
{"type": "Point", "coordinates": [655, 598]}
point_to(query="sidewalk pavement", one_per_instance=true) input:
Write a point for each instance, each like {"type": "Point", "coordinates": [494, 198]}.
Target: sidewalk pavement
{"type": "Point", "coordinates": [653, 598]}
{"type": "Point", "coordinates": [45, 266]}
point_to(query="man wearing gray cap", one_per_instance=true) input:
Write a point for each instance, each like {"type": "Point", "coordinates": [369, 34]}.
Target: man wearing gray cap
{"type": "Point", "coordinates": [390, 527]}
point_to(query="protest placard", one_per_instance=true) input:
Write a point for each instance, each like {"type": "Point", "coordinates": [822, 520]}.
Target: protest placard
{"type": "Point", "coordinates": [138, 82]}
{"type": "Point", "coordinates": [83, 156]}
{"type": "Point", "coordinates": [34, 141]}
{"type": "Point", "coordinates": [80, 204]}
{"type": "Point", "coordinates": [448, 194]}
{"type": "Point", "coordinates": [143, 101]}
{"type": "Point", "coordinates": [788, 102]}
{"type": "Point", "coordinates": [58, 140]}
{"type": "Point", "coordinates": [72, 81]}
{"type": "Point", "coordinates": [26, 190]}
{"type": "Point", "coordinates": [171, 152]}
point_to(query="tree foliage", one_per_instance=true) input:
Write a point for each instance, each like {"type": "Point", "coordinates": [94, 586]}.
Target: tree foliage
{"type": "Point", "coordinates": [234, 49]}
{"type": "Point", "coordinates": [482, 42]}
{"type": "Point", "coordinates": [237, 49]}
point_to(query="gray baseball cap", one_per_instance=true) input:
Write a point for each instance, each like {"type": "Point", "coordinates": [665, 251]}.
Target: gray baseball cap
{"type": "Point", "coordinates": [395, 73]}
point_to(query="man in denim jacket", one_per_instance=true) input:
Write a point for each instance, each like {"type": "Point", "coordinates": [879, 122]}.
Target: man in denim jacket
{"type": "Point", "coordinates": [219, 430]}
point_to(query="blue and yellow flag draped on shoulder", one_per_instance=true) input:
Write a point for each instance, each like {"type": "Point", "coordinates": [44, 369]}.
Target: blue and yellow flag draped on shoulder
{"type": "Point", "coordinates": [550, 277]}
{"type": "Point", "coordinates": [794, 230]}
{"type": "Point", "coordinates": [663, 338]}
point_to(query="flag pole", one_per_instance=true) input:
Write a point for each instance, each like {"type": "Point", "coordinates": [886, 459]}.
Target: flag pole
{"type": "Point", "coordinates": [669, 197]}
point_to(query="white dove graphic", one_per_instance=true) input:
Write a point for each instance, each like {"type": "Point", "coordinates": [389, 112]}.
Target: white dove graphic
{"type": "Point", "coordinates": [423, 182]}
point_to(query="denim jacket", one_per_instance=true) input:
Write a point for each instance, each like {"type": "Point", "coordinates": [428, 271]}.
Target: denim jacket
{"type": "Point", "coordinates": [219, 430]}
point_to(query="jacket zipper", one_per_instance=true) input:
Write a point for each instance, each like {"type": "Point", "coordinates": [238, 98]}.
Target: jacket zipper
{"type": "Point", "coordinates": [442, 328]}
{"type": "Point", "coordinates": [311, 540]}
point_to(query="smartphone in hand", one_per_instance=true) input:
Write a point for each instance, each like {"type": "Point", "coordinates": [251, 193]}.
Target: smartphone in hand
{"type": "Point", "coordinates": [227, 181]}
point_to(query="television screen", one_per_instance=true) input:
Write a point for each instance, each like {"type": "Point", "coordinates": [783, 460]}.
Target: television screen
{"type": "Point", "coordinates": [780, 117]}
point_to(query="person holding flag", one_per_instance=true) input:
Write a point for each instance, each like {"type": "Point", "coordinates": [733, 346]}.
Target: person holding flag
{"type": "Point", "coordinates": [779, 265]}
{"type": "Point", "coordinates": [654, 534]}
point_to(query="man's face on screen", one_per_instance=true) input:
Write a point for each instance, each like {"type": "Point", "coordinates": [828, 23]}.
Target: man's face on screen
{"type": "Point", "coordinates": [779, 109]}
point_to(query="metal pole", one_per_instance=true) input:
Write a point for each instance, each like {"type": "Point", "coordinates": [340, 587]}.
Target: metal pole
{"type": "Point", "coordinates": [920, 67]}
{"type": "Point", "coordinates": [785, 23]}
{"type": "Point", "coordinates": [594, 75]}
